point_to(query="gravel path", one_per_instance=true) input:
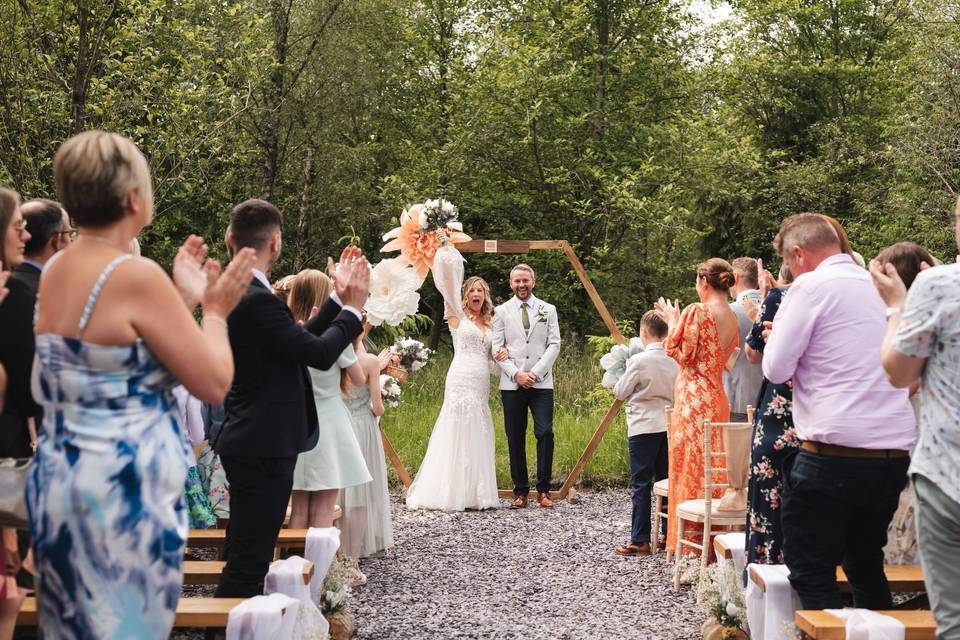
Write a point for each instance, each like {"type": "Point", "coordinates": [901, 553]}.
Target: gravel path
{"type": "Point", "coordinates": [531, 574]}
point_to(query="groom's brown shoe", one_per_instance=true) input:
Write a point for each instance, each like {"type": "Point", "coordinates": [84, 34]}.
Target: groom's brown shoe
{"type": "Point", "coordinates": [520, 502]}
{"type": "Point", "coordinates": [544, 500]}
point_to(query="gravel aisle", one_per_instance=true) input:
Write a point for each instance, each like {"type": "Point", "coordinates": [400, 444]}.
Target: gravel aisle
{"type": "Point", "coordinates": [533, 573]}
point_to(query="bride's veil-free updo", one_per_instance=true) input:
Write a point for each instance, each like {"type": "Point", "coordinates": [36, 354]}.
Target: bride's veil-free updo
{"type": "Point", "coordinates": [486, 310]}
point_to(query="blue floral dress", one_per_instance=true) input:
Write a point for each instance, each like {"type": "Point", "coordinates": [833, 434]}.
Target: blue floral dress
{"type": "Point", "coordinates": [105, 499]}
{"type": "Point", "coordinates": [773, 437]}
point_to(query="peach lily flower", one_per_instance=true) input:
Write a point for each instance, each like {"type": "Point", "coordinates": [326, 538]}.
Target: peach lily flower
{"type": "Point", "coordinates": [418, 249]}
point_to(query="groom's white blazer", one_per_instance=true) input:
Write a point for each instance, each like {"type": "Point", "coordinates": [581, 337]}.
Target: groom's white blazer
{"type": "Point", "coordinates": [535, 351]}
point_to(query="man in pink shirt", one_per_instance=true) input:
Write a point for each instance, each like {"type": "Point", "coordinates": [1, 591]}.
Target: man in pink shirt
{"type": "Point", "coordinates": [842, 488]}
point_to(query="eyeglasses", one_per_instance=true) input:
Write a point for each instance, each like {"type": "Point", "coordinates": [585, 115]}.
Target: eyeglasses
{"type": "Point", "coordinates": [72, 234]}
{"type": "Point", "coordinates": [20, 227]}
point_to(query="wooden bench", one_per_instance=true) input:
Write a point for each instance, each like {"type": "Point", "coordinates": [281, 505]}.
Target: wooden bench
{"type": "Point", "coordinates": [191, 612]}
{"type": "Point", "coordinates": [820, 625]}
{"type": "Point", "coordinates": [208, 571]}
{"type": "Point", "coordinates": [902, 578]}
{"type": "Point", "coordinates": [217, 537]}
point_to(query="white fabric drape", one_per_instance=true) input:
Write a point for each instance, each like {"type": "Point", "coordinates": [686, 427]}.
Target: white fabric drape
{"type": "Point", "coordinates": [736, 542]}
{"type": "Point", "coordinates": [321, 547]}
{"type": "Point", "coordinates": [864, 624]}
{"type": "Point", "coordinates": [270, 617]}
{"type": "Point", "coordinates": [286, 577]}
{"type": "Point", "coordinates": [768, 612]}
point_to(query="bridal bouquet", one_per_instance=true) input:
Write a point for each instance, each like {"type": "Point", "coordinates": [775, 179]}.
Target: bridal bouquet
{"type": "Point", "coordinates": [418, 238]}
{"type": "Point", "coordinates": [389, 390]}
{"type": "Point", "coordinates": [413, 353]}
{"type": "Point", "coordinates": [615, 362]}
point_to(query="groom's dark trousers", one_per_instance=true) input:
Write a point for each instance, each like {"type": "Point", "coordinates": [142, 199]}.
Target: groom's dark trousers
{"type": "Point", "coordinates": [270, 417]}
{"type": "Point", "coordinates": [515, 405]}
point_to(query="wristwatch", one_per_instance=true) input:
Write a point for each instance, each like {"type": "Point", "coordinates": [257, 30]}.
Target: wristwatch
{"type": "Point", "coordinates": [893, 310]}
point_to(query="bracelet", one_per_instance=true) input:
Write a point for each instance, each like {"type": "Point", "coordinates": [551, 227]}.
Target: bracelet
{"type": "Point", "coordinates": [892, 311]}
{"type": "Point", "coordinates": [212, 317]}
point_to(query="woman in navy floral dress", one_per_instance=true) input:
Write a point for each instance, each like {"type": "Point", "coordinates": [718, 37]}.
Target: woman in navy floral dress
{"type": "Point", "coordinates": [773, 437]}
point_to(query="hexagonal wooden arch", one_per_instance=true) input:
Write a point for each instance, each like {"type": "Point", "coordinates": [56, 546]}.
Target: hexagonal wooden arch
{"type": "Point", "coordinates": [525, 246]}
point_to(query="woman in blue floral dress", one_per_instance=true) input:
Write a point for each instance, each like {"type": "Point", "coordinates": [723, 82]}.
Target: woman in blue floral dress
{"type": "Point", "coordinates": [114, 334]}
{"type": "Point", "coordinates": [773, 437]}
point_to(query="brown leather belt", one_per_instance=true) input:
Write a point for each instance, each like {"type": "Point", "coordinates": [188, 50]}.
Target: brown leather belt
{"type": "Point", "coordinates": [838, 451]}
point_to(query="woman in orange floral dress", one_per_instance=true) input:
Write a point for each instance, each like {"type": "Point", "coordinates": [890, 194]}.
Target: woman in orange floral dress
{"type": "Point", "coordinates": [701, 339]}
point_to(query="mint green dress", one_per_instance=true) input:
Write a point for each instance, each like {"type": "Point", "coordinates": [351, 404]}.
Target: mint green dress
{"type": "Point", "coordinates": [337, 461]}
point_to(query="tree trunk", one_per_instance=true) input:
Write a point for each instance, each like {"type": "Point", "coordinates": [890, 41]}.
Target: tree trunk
{"type": "Point", "coordinates": [303, 228]}
{"type": "Point", "coordinates": [280, 17]}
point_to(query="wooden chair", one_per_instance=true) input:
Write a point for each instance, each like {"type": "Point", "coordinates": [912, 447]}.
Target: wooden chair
{"type": "Point", "coordinates": [208, 571]}
{"type": "Point", "coordinates": [703, 511]}
{"type": "Point", "coordinates": [215, 538]}
{"type": "Point", "coordinates": [661, 489]}
{"type": "Point", "coordinates": [820, 625]}
{"type": "Point", "coordinates": [191, 612]}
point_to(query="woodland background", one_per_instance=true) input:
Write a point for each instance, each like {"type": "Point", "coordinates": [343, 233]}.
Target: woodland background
{"type": "Point", "coordinates": [644, 136]}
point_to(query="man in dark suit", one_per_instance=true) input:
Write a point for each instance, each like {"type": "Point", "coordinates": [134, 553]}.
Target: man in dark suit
{"type": "Point", "coordinates": [270, 416]}
{"type": "Point", "coordinates": [50, 231]}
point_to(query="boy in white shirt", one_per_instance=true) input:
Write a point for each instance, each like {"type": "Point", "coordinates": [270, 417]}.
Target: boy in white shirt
{"type": "Point", "coordinates": [647, 389]}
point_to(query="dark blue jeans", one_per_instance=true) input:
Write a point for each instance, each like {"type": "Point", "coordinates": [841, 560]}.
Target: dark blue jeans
{"type": "Point", "coordinates": [648, 464]}
{"type": "Point", "coordinates": [836, 512]}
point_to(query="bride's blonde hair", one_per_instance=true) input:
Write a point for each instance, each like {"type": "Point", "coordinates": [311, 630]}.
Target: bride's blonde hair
{"type": "Point", "coordinates": [486, 309]}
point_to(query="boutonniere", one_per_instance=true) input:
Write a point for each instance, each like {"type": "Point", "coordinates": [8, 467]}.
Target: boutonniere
{"type": "Point", "coordinates": [542, 314]}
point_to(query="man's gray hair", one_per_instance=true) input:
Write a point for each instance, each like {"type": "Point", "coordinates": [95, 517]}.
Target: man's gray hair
{"type": "Point", "coordinates": [807, 230]}
{"type": "Point", "coordinates": [524, 267]}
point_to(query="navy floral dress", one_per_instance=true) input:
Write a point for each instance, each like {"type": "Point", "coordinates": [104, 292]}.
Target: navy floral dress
{"type": "Point", "coordinates": [773, 438]}
{"type": "Point", "coordinates": [105, 499]}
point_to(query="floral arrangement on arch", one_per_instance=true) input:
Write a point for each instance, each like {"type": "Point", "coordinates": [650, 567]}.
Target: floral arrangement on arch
{"type": "Point", "coordinates": [418, 238]}
{"type": "Point", "coordinates": [615, 361]}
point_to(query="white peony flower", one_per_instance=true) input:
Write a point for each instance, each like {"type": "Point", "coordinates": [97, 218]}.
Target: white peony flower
{"type": "Point", "coordinates": [732, 610]}
{"type": "Point", "coordinates": [393, 293]}
{"type": "Point", "coordinates": [422, 219]}
{"type": "Point", "coordinates": [447, 206]}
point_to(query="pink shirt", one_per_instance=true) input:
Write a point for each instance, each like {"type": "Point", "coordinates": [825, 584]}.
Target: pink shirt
{"type": "Point", "coordinates": [827, 336]}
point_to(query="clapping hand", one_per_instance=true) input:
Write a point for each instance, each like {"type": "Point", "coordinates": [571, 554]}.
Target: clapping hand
{"type": "Point", "coordinates": [188, 270]}
{"type": "Point", "coordinates": [767, 281]}
{"type": "Point", "coordinates": [225, 288]}
{"type": "Point", "coordinates": [388, 357]}
{"type": "Point", "coordinates": [669, 311]}
{"type": "Point", "coordinates": [888, 283]}
{"type": "Point", "coordinates": [767, 329]}
{"type": "Point", "coordinates": [351, 277]}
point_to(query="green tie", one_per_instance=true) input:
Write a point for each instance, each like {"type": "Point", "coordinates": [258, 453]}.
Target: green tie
{"type": "Point", "coordinates": [524, 318]}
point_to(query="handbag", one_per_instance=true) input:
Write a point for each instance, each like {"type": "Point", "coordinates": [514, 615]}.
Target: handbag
{"type": "Point", "coordinates": [13, 482]}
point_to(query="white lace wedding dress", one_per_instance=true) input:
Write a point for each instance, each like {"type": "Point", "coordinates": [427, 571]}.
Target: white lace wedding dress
{"type": "Point", "coordinates": [458, 471]}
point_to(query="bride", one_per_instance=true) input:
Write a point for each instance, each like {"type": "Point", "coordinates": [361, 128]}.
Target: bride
{"type": "Point", "coordinates": [458, 470]}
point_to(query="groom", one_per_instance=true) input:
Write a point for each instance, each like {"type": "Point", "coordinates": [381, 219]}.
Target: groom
{"type": "Point", "coordinates": [529, 330]}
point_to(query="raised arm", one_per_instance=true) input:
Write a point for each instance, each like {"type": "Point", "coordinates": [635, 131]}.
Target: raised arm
{"type": "Point", "coordinates": [448, 278]}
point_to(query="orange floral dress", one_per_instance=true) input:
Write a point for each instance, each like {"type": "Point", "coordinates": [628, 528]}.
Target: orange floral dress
{"type": "Point", "coordinates": [694, 343]}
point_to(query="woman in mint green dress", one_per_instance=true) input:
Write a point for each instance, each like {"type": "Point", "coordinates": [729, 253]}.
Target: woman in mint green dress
{"type": "Point", "coordinates": [337, 461]}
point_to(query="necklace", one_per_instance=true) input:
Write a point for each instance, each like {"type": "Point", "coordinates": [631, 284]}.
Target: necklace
{"type": "Point", "coordinates": [100, 239]}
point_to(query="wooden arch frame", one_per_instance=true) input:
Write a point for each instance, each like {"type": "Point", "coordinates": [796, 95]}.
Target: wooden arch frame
{"type": "Point", "coordinates": [525, 246]}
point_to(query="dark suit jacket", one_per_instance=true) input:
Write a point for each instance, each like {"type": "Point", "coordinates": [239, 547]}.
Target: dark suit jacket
{"type": "Point", "coordinates": [17, 347]}
{"type": "Point", "coordinates": [28, 275]}
{"type": "Point", "coordinates": [270, 411]}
